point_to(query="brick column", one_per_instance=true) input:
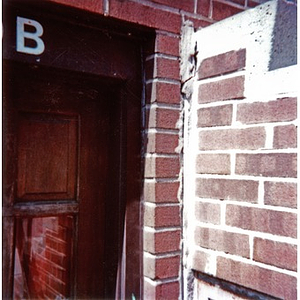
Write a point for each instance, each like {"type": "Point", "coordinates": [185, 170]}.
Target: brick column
{"type": "Point", "coordinates": [162, 211]}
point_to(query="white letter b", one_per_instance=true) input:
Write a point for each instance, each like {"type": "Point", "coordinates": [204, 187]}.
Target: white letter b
{"type": "Point", "coordinates": [22, 35]}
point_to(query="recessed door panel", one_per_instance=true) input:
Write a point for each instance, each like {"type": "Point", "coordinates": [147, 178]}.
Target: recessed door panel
{"type": "Point", "coordinates": [47, 156]}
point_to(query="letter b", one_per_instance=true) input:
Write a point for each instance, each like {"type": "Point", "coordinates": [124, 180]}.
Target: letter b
{"type": "Point", "coordinates": [22, 35]}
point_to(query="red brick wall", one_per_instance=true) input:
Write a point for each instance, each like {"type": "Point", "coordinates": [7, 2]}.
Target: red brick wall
{"type": "Point", "coordinates": [162, 195]}
{"type": "Point", "coordinates": [245, 210]}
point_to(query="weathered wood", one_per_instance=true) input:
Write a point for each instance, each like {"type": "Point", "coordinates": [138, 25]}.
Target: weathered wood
{"type": "Point", "coordinates": [40, 210]}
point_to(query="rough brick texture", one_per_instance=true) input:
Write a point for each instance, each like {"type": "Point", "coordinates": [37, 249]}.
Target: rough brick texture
{"type": "Point", "coordinates": [276, 284]}
{"type": "Point", "coordinates": [222, 64]}
{"type": "Point", "coordinates": [162, 216]}
{"type": "Point", "coordinates": [162, 167]}
{"type": "Point", "coordinates": [221, 11]}
{"type": "Point", "coordinates": [89, 5]}
{"type": "Point", "coordinates": [163, 118]}
{"type": "Point", "coordinates": [263, 220]}
{"type": "Point", "coordinates": [280, 194]}
{"type": "Point", "coordinates": [245, 173]}
{"type": "Point", "coordinates": [162, 241]}
{"type": "Point", "coordinates": [162, 92]}
{"type": "Point", "coordinates": [161, 291]}
{"type": "Point", "coordinates": [281, 255]}
{"type": "Point", "coordinates": [167, 44]}
{"type": "Point", "coordinates": [208, 212]}
{"type": "Point", "coordinates": [167, 118]}
{"type": "Point", "coordinates": [161, 192]}
{"type": "Point", "coordinates": [274, 111]}
{"type": "Point", "coordinates": [201, 260]}
{"type": "Point", "coordinates": [285, 137]}
{"type": "Point", "coordinates": [224, 241]}
{"type": "Point", "coordinates": [203, 7]}
{"type": "Point", "coordinates": [145, 15]}
{"type": "Point", "coordinates": [224, 89]}
{"type": "Point", "coordinates": [227, 189]}
{"type": "Point", "coordinates": [167, 167]}
{"type": "Point", "coordinates": [161, 267]}
{"type": "Point", "coordinates": [162, 68]}
{"type": "Point", "coordinates": [187, 5]}
{"type": "Point", "coordinates": [213, 164]}
{"type": "Point", "coordinates": [227, 139]}
{"type": "Point", "coordinates": [162, 143]}
{"type": "Point", "coordinates": [271, 164]}
{"type": "Point", "coordinates": [215, 116]}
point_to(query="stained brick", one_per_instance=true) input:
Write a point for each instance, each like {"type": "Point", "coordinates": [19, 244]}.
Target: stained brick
{"type": "Point", "coordinates": [162, 92]}
{"type": "Point", "coordinates": [161, 267]}
{"type": "Point", "coordinates": [222, 64]}
{"type": "Point", "coordinates": [227, 189]}
{"type": "Point", "coordinates": [162, 216]}
{"type": "Point", "coordinates": [163, 291]}
{"type": "Point", "coordinates": [269, 164]}
{"type": "Point", "coordinates": [215, 116]}
{"type": "Point", "coordinates": [208, 212]}
{"type": "Point", "coordinates": [167, 44]}
{"type": "Point", "coordinates": [284, 109]}
{"type": "Point", "coordinates": [224, 241]}
{"type": "Point", "coordinates": [213, 164]}
{"type": "Point", "coordinates": [225, 89]}
{"type": "Point", "coordinates": [262, 220]}
{"type": "Point", "coordinates": [285, 137]}
{"type": "Point", "coordinates": [162, 143]}
{"type": "Point", "coordinates": [278, 254]}
{"type": "Point", "coordinates": [263, 280]}
{"type": "Point", "coordinates": [222, 11]}
{"type": "Point", "coordinates": [145, 15]}
{"type": "Point", "coordinates": [161, 192]}
{"type": "Point", "coordinates": [224, 139]}
{"type": "Point", "coordinates": [280, 194]}
{"type": "Point", "coordinates": [162, 242]}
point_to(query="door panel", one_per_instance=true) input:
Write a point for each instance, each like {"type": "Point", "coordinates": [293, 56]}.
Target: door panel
{"type": "Point", "coordinates": [47, 156]}
{"type": "Point", "coordinates": [65, 134]}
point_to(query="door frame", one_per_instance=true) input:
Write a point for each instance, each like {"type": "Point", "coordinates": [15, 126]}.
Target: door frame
{"type": "Point", "coordinates": [131, 101]}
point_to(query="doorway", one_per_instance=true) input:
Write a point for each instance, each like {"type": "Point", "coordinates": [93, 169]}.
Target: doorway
{"type": "Point", "coordinates": [72, 157]}
{"type": "Point", "coordinates": [63, 157]}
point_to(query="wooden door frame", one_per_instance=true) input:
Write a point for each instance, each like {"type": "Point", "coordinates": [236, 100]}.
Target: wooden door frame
{"type": "Point", "coordinates": [131, 114]}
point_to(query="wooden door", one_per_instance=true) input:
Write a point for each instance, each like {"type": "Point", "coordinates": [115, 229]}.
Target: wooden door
{"type": "Point", "coordinates": [63, 154]}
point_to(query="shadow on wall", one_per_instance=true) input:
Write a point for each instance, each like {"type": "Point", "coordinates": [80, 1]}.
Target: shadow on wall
{"type": "Point", "coordinates": [284, 42]}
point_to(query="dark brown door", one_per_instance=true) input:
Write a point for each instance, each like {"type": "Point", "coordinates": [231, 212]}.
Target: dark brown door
{"type": "Point", "coordinates": [63, 154]}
